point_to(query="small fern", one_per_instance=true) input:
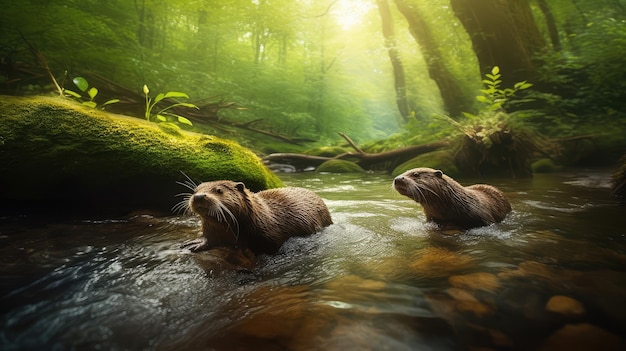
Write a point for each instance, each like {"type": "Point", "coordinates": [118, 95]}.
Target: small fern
{"type": "Point", "coordinates": [160, 116]}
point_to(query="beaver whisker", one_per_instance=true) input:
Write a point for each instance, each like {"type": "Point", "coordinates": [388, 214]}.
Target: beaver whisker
{"type": "Point", "coordinates": [220, 211]}
{"type": "Point", "coordinates": [431, 191]}
{"type": "Point", "coordinates": [189, 183]}
{"type": "Point", "coordinates": [182, 205]}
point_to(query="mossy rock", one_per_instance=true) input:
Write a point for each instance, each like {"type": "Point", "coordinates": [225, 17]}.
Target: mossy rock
{"type": "Point", "coordinates": [339, 166]}
{"type": "Point", "coordinates": [326, 151]}
{"type": "Point", "coordinates": [440, 159]}
{"type": "Point", "coordinates": [58, 155]}
{"type": "Point", "coordinates": [543, 165]}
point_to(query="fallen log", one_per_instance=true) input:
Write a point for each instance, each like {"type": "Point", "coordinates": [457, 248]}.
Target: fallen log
{"type": "Point", "coordinates": [395, 157]}
{"type": "Point", "coordinates": [366, 160]}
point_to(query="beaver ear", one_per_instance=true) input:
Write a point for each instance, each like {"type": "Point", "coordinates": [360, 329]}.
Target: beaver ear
{"type": "Point", "coordinates": [438, 174]}
{"type": "Point", "coordinates": [240, 186]}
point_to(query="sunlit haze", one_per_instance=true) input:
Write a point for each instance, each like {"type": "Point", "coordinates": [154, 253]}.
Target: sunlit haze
{"type": "Point", "coordinates": [349, 13]}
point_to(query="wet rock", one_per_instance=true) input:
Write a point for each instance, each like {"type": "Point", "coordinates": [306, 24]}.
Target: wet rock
{"type": "Point", "coordinates": [351, 286]}
{"type": "Point", "coordinates": [582, 337]}
{"type": "Point", "coordinates": [475, 281]}
{"type": "Point", "coordinates": [601, 290]}
{"type": "Point", "coordinates": [435, 262]}
{"type": "Point", "coordinates": [225, 259]}
{"type": "Point", "coordinates": [565, 306]}
{"type": "Point", "coordinates": [465, 302]}
{"type": "Point", "coordinates": [284, 317]}
{"type": "Point", "coordinates": [339, 166]}
{"type": "Point", "coordinates": [529, 268]}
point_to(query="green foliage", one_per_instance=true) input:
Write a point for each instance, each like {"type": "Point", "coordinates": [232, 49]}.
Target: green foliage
{"type": "Point", "coordinates": [161, 115]}
{"type": "Point", "coordinates": [491, 119]}
{"type": "Point", "coordinates": [299, 70]}
{"type": "Point", "coordinates": [544, 165]}
{"type": "Point", "coordinates": [282, 60]}
{"type": "Point", "coordinates": [339, 166]}
{"type": "Point", "coordinates": [492, 97]}
{"type": "Point", "coordinates": [82, 84]}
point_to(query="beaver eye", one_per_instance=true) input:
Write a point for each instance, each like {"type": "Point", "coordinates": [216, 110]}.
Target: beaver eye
{"type": "Point", "coordinates": [218, 191]}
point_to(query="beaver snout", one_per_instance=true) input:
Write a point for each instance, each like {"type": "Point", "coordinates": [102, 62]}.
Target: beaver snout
{"type": "Point", "coordinates": [198, 197]}
{"type": "Point", "coordinates": [198, 201]}
{"type": "Point", "coordinates": [399, 183]}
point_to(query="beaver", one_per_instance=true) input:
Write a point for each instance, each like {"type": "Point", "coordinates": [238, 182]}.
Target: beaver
{"type": "Point", "coordinates": [448, 203]}
{"type": "Point", "coordinates": [234, 216]}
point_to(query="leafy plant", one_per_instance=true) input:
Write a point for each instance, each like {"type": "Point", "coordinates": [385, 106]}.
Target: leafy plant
{"type": "Point", "coordinates": [493, 97]}
{"type": "Point", "coordinates": [82, 84]}
{"type": "Point", "coordinates": [492, 118]}
{"type": "Point", "coordinates": [493, 140]}
{"type": "Point", "coordinates": [161, 114]}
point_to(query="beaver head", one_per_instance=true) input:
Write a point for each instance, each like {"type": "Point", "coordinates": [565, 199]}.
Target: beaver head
{"type": "Point", "coordinates": [421, 184]}
{"type": "Point", "coordinates": [222, 205]}
{"type": "Point", "coordinates": [441, 197]}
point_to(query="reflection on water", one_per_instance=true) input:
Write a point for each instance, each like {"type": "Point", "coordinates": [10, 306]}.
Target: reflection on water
{"type": "Point", "coordinates": [551, 276]}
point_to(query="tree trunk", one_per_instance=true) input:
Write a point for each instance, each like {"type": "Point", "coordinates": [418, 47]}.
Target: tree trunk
{"type": "Point", "coordinates": [455, 101]}
{"type": "Point", "coordinates": [504, 34]}
{"type": "Point", "coordinates": [551, 24]}
{"type": "Point", "coordinates": [398, 69]}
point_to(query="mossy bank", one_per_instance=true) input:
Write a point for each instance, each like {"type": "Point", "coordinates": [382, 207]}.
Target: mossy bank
{"type": "Point", "coordinates": [58, 155]}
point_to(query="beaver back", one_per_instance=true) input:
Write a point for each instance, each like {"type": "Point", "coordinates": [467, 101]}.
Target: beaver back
{"type": "Point", "coordinates": [279, 214]}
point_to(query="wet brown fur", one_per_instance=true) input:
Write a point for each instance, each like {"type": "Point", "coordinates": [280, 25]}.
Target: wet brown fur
{"type": "Point", "coordinates": [233, 216]}
{"type": "Point", "coordinates": [450, 204]}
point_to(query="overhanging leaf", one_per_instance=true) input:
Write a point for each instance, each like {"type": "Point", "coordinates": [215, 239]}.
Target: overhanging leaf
{"type": "Point", "coordinates": [176, 94]}
{"type": "Point", "coordinates": [92, 92]}
{"type": "Point", "coordinates": [482, 98]}
{"type": "Point", "coordinates": [159, 97]}
{"type": "Point", "coordinates": [186, 104]}
{"type": "Point", "coordinates": [81, 83]}
{"type": "Point", "coordinates": [184, 120]}
{"type": "Point", "coordinates": [468, 115]}
{"type": "Point", "coordinates": [112, 101]}
{"type": "Point", "coordinates": [71, 93]}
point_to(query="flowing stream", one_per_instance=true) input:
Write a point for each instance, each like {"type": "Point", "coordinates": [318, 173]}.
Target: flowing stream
{"type": "Point", "coordinates": [379, 278]}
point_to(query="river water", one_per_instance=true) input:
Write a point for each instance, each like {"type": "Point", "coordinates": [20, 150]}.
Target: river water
{"type": "Point", "coordinates": [551, 276]}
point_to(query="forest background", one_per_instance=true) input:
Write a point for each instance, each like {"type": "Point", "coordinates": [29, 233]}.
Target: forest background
{"type": "Point", "coordinates": [401, 70]}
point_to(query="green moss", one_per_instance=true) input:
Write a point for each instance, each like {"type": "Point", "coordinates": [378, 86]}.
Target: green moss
{"type": "Point", "coordinates": [326, 151]}
{"type": "Point", "coordinates": [55, 149]}
{"type": "Point", "coordinates": [544, 165]}
{"type": "Point", "coordinates": [441, 159]}
{"type": "Point", "coordinates": [170, 128]}
{"type": "Point", "coordinates": [339, 166]}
